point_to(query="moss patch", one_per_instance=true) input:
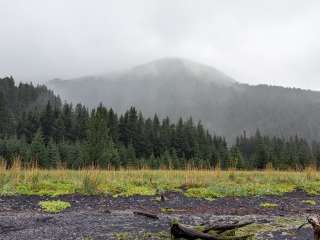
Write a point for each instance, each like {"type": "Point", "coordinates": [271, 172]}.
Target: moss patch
{"type": "Point", "coordinates": [309, 202]}
{"type": "Point", "coordinates": [201, 193]}
{"type": "Point", "coordinates": [310, 187]}
{"type": "Point", "coordinates": [156, 235]}
{"type": "Point", "coordinates": [167, 210]}
{"type": "Point", "coordinates": [268, 205]}
{"type": "Point", "coordinates": [127, 190]}
{"type": "Point", "coordinates": [46, 188]}
{"type": "Point", "coordinates": [122, 236]}
{"type": "Point", "coordinates": [54, 206]}
{"type": "Point", "coordinates": [239, 189]}
{"type": "Point", "coordinates": [284, 224]}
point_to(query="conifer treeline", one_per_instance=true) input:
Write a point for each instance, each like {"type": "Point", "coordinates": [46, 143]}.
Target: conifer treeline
{"type": "Point", "coordinates": [35, 126]}
{"type": "Point", "coordinates": [100, 137]}
{"type": "Point", "coordinates": [17, 99]}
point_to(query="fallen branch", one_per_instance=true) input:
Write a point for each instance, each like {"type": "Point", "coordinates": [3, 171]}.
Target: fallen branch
{"type": "Point", "coordinates": [162, 198]}
{"type": "Point", "coordinates": [146, 214]}
{"type": "Point", "coordinates": [180, 231]}
{"type": "Point", "coordinates": [302, 225]}
{"type": "Point", "coordinates": [226, 227]}
{"type": "Point", "coordinates": [107, 211]}
{"type": "Point", "coordinates": [6, 229]}
{"type": "Point", "coordinates": [44, 219]}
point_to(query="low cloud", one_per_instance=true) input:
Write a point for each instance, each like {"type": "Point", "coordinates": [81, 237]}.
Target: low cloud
{"type": "Point", "coordinates": [273, 42]}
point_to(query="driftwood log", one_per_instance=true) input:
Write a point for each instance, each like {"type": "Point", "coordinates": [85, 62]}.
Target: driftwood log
{"type": "Point", "coordinates": [314, 221]}
{"type": "Point", "coordinates": [226, 227]}
{"type": "Point", "coordinates": [146, 214]}
{"type": "Point", "coordinates": [7, 229]}
{"type": "Point", "coordinates": [180, 231]}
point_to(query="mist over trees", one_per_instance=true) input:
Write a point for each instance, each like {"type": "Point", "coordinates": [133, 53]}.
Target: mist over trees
{"type": "Point", "coordinates": [181, 88]}
{"type": "Point", "coordinates": [16, 100]}
{"type": "Point", "coordinates": [37, 127]}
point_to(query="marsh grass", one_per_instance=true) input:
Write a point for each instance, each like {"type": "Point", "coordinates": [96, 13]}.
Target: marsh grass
{"type": "Point", "coordinates": [90, 182]}
{"type": "Point", "coordinates": [210, 184]}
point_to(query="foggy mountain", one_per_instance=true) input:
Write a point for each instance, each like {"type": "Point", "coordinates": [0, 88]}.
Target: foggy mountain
{"type": "Point", "coordinates": [177, 87]}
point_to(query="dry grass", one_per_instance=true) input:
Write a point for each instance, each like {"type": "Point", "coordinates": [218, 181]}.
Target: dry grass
{"type": "Point", "coordinates": [196, 183]}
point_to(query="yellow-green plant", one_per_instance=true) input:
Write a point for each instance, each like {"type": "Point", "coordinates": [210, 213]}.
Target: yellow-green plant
{"type": "Point", "coordinates": [208, 184]}
{"type": "Point", "coordinates": [268, 205]}
{"type": "Point", "coordinates": [309, 202]}
{"type": "Point", "coordinates": [54, 206]}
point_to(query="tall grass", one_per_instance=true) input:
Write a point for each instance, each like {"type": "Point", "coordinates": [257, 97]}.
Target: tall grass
{"type": "Point", "coordinates": [32, 180]}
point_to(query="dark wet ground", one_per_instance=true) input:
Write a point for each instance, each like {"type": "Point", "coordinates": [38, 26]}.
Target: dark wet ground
{"type": "Point", "coordinates": [101, 217]}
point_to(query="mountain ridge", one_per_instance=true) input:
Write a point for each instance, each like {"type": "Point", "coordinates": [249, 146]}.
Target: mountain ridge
{"type": "Point", "coordinates": [175, 87]}
{"type": "Point", "coordinates": [159, 67]}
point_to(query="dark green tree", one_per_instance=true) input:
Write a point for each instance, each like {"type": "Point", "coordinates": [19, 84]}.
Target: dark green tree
{"type": "Point", "coordinates": [39, 151]}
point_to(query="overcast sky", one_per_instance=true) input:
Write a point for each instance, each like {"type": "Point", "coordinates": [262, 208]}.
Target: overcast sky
{"type": "Point", "coordinates": [255, 41]}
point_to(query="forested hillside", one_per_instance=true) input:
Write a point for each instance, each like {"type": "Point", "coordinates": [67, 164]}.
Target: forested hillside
{"type": "Point", "coordinates": [36, 127]}
{"type": "Point", "coordinates": [14, 100]}
{"type": "Point", "coordinates": [178, 87]}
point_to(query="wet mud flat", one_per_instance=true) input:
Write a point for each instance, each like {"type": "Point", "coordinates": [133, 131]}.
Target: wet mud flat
{"type": "Point", "coordinates": [101, 217]}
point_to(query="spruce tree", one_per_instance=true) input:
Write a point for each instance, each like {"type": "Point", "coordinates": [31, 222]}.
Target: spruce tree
{"type": "Point", "coordinates": [99, 149]}
{"type": "Point", "coordinates": [53, 154]}
{"type": "Point", "coordinates": [39, 151]}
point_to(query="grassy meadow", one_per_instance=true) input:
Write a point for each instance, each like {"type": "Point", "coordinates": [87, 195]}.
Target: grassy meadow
{"type": "Point", "coordinates": [209, 184]}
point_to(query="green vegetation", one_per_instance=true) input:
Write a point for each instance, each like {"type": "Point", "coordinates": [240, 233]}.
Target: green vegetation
{"type": "Point", "coordinates": [207, 184]}
{"type": "Point", "coordinates": [201, 193]}
{"type": "Point", "coordinates": [310, 202]}
{"type": "Point", "coordinates": [37, 128]}
{"type": "Point", "coordinates": [50, 149]}
{"type": "Point", "coordinates": [240, 189]}
{"type": "Point", "coordinates": [283, 224]}
{"type": "Point", "coordinates": [90, 184]}
{"type": "Point", "coordinates": [143, 236]}
{"type": "Point", "coordinates": [268, 205]}
{"type": "Point", "coordinates": [122, 236]}
{"type": "Point", "coordinates": [228, 108]}
{"type": "Point", "coordinates": [167, 210]}
{"type": "Point", "coordinates": [156, 235]}
{"type": "Point", "coordinates": [54, 206]}
{"type": "Point", "coordinates": [46, 188]}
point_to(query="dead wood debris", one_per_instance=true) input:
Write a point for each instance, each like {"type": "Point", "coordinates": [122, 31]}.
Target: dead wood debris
{"type": "Point", "coordinates": [210, 233]}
